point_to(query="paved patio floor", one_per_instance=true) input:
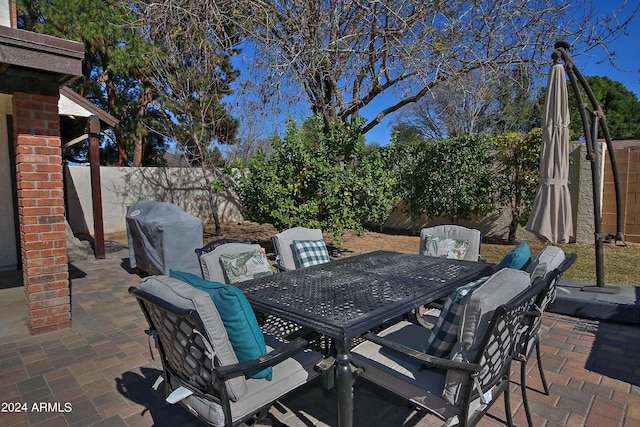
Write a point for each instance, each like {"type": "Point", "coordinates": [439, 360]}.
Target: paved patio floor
{"type": "Point", "coordinates": [99, 372]}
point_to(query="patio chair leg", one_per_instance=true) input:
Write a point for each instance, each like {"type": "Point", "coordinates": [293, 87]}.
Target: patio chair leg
{"type": "Point", "coordinates": [327, 369]}
{"type": "Point", "coordinates": [507, 407]}
{"type": "Point", "coordinates": [523, 386]}
{"type": "Point", "coordinates": [541, 369]}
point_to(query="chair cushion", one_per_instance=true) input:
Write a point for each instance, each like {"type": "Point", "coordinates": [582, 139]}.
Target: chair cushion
{"type": "Point", "coordinates": [245, 266]}
{"type": "Point", "coordinates": [238, 319]}
{"type": "Point", "coordinates": [552, 256]}
{"type": "Point", "coordinates": [444, 334]}
{"type": "Point", "coordinates": [444, 247]}
{"type": "Point", "coordinates": [287, 375]}
{"type": "Point", "coordinates": [518, 258]}
{"type": "Point", "coordinates": [285, 255]}
{"type": "Point", "coordinates": [400, 374]}
{"type": "Point", "coordinates": [457, 232]}
{"type": "Point", "coordinates": [499, 289]}
{"type": "Point", "coordinates": [310, 252]}
{"type": "Point", "coordinates": [182, 295]}
{"type": "Point", "coordinates": [537, 269]}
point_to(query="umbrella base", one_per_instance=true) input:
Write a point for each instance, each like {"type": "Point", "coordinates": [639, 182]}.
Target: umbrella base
{"type": "Point", "coordinates": [619, 308]}
{"type": "Point", "coordinates": [613, 290]}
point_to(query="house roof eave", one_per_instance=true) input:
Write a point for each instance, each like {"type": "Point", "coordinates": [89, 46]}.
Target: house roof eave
{"type": "Point", "coordinates": [32, 51]}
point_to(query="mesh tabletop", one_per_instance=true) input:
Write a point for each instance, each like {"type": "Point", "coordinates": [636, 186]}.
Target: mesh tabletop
{"type": "Point", "coordinates": [347, 297]}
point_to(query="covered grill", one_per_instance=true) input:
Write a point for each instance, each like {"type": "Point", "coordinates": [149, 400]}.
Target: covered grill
{"type": "Point", "coordinates": [163, 237]}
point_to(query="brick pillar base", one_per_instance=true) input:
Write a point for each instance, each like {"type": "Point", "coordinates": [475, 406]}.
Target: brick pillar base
{"type": "Point", "coordinates": [41, 211]}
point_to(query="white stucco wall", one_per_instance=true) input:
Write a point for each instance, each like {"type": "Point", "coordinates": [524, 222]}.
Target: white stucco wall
{"type": "Point", "coordinates": [122, 187]}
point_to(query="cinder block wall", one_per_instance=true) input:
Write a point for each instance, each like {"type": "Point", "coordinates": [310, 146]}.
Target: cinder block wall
{"type": "Point", "coordinates": [628, 162]}
{"type": "Point", "coordinates": [41, 211]}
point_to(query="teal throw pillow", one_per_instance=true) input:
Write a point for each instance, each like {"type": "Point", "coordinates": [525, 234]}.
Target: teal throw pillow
{"type": "Point", "coordinates": [238, 318]}
{"type": "Point", "coordinates": [519, 258]}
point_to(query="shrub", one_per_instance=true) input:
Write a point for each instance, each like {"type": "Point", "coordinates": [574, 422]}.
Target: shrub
{"type": "Point", "coordinates": [452, 178]}
{"type": "Point", "coordinates": [319, 178]}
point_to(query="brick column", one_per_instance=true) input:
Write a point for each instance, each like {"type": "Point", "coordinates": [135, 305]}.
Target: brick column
{"type": "Point", "coordinates": [41, 211]}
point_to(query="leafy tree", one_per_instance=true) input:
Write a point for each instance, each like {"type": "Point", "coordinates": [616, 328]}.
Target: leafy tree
{"type": "Point", "coordinates": [620, 106]}
{"type": "Point", "coordinates": [112, 69]}
{"type": "Point", "coordinates": [410, 147]}
{"type": "Point", "coordinates": [192, 74]}
{"type": "Point", "coordinates": [453, 178]}
{"type": "Point", "coordinates": [319, 179]}
{"type": "Point", "coordinates": [404, 132]}
{"type": "Point", "coordinates": [519, 160]}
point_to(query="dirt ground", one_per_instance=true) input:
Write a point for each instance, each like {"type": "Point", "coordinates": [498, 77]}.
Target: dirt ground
{"type": "Point", "coordinates": [351, 244]}
{"type": "Point", "coordinates": [261, 234]}
{"type": "Point", "coordinates": [617, 259]}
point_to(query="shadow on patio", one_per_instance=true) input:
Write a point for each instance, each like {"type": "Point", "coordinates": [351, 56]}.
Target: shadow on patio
{"type": "Point", "coordinates": [103, 369]}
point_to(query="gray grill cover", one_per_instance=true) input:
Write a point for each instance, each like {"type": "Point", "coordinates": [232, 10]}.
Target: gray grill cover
{"type": "Point", "coordinates": [163, 237]}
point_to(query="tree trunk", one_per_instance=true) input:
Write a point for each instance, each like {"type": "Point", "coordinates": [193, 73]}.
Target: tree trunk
{"type": "Point", "coordinates": [138, 148]}
{"type": "Point", "coordinates": [513, 228]}
{"type": "Point", "coordinates": [123, 159]}
{"type": "Point", "coordinates": [213, 201]}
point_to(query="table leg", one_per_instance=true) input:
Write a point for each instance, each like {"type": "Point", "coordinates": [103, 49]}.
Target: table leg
{"type": "Point", "coordinates": [344, 383]}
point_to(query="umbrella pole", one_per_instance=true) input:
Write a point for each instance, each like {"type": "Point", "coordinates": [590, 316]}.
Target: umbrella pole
{"type": "Point", "coordinates": [593, 155]}
{"type": "Point", "coordinates": [597, 216]}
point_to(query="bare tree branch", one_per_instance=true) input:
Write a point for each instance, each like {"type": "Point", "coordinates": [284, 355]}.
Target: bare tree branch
{"type": "Point", "coordinates": [339, 56]}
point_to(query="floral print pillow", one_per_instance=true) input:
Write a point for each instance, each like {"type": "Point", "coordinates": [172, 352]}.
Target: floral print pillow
{"type": "Point", "coordinates": [445, 248]}
{"type": "Point", "coordinates": [245, 265]}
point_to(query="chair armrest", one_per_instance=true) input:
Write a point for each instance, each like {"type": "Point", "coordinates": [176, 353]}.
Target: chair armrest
{"type": "Point", "coordinates": [272, 358]}
{"type": "Point", "coordinates": [531, 314]}
{"type": "Point", "coordinates": [438, 304]}
{"type": "Point", "coordinates": [568, 262]}
{"type": "Point", "coordinates": [426, 359]}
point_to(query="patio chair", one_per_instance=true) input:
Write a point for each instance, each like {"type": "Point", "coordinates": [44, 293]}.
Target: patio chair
{"type": "Point", "coordinates": [213, 268]}
{"type": "Point", "coordinates": [470, 239]}
{"type": "Point", "coordinates": [460, 387]}
{"type": "Point", "coordinates": [201, 367]}
{"type": "Point", "coordinates": [299, 247]}
{"type": "Point", "coordinates": [549, 265]}
{"type": "Point", "coordinates": [430, 238]}
{"type": "Point", "coordinates": [219, 263]}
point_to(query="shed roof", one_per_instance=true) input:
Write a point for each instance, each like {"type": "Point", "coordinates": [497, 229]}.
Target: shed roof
{"type": "Point", "coordinates": [73, 104]}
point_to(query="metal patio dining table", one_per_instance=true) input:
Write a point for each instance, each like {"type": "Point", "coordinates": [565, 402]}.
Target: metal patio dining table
{"type": "Point", "coordinates": [345, 298]}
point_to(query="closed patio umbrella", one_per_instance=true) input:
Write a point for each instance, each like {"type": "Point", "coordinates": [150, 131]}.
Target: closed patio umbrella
{"type": "Point", "coordinates": [591, 127]}
{"type": "Point", "coordinates": [551, 217]}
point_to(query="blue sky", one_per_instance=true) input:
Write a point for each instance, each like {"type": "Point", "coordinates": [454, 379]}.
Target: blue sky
{"type": "Point", "coordinates": [627, 48]}
{"type": "Point", "coordinates": [625, 71]}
